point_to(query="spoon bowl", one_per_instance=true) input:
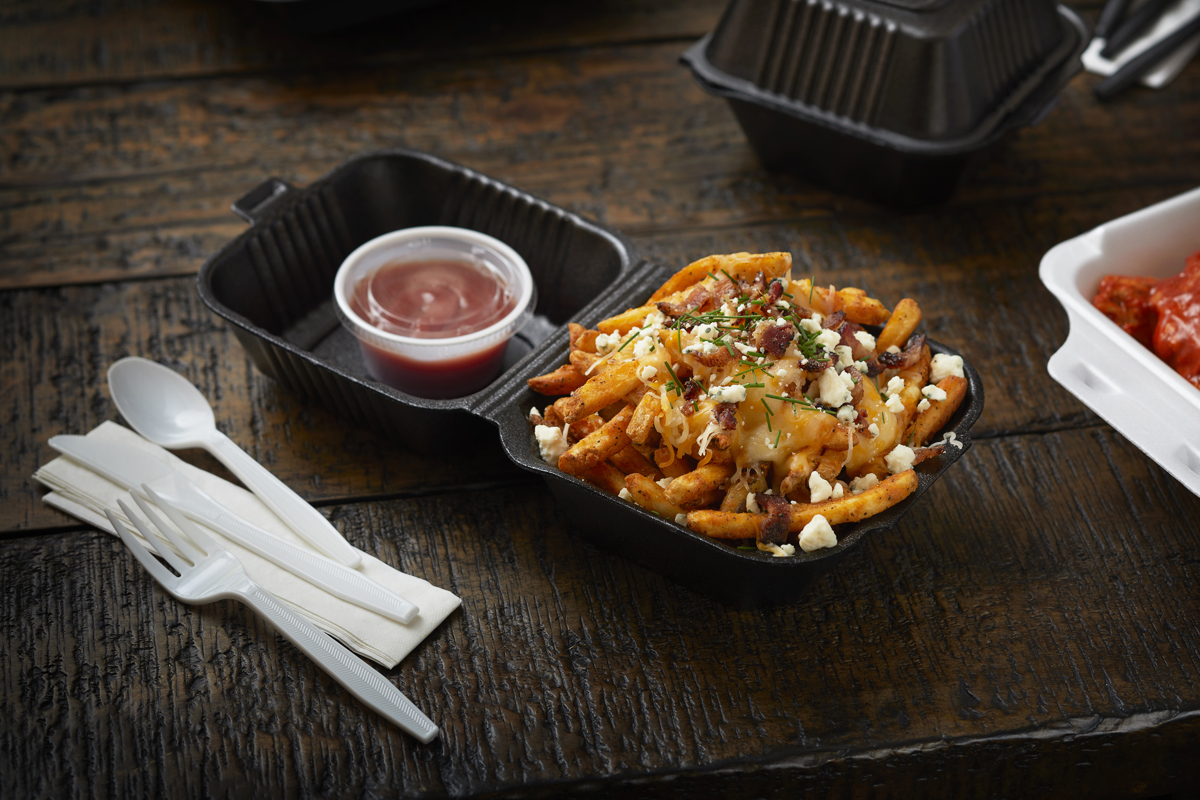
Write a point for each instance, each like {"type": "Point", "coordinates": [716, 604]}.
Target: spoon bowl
{"type": "Point", "coordinates": [160, 403]}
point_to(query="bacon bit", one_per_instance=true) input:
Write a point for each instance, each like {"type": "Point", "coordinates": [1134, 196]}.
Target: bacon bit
{"type": "Point", "coordinates": [910, 355]}
{"type": "Point", "coordinates": [834, 321]}
{"type": "Point", "coordinates": [691, 393]}
{"type": "Point", "coordinates": [775, 529]}
{"type": "Point", "coordinates": [922, 453]}
{"type": "Point", "coordinates": [774, 291]}
{"type": "Point", "coordinates": [697, 298]}
{"type": "Point", "coordinates": [726, 414]}
{"type": "Point", "coordinates": [775, 339]}
{"type": "Point", "coordinates": [856, 393]}
{"type": "Point", "coordinates": [714, 360]}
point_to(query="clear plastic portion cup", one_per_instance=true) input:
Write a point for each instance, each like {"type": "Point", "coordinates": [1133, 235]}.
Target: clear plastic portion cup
{"type": "Point", "coordinates": [428, 270]}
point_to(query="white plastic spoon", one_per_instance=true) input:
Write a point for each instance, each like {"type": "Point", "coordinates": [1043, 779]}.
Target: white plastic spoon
{"type": "Point", "coordinates": [168, 410]}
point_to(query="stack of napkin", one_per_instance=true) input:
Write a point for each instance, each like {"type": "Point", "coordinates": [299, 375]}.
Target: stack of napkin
{"type": "Point", "coordinates": [84, 494]}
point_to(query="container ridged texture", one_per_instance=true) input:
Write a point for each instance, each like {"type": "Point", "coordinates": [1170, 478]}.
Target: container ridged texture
{"type": "Point", "coordinates": [836, 59]}
{"type": "Point", "coordinates": [827, 57]}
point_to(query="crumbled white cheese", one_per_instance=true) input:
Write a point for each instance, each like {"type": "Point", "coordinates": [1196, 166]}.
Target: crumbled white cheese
{"type": "Point", "coordinates": [607, 342]}
{"type": "Point", "coordinates": [838, 491]}
{"type": "Point", "coordinates": [834, 391]}
{"type": "Point", "coordinates": [865, 339]}
{"type": "Point", "coordinates": [895, 385]}
{"type": "Point", "coordinates": [895, 404]}
{"type": "Point", "coordinates": [933, 392]}
{"type": "Point", "coordinates": [782, 550]}
{"type": "Point", "coordinates": [818, 488]}
{"type": "Point", "coordinates": [625, 495]}
{"type": "Point", "coordinates": [708, 330]}
{"type": "Point", "coordinates": [551, 442]}
{"type": "Point", "coordinates": [534, 413]}
{"type": "Point", "coordinates": [829, 339]}
{"type": "Point", "coordinates": [647, 373]}
{"type": "Point", "coordinates": [681, 519]}
{"type": "Point", "coordinates": [847, 414]}
{"type": "Point", "coordinates": [873, 429]}
{"type": "Point", "coordinates": [783, 303]}
{"type": "Point", "coordinates": [944, 365]}
{"type": "Point", "coordinates": [893, 349]}
{"type": "Point", "coordinates": [701, 348]}
{"type": "Point", "coordinates": [817, 318]}
{"type": "Point", "coordinates": [782, 323]}
{"type": "Point", "coordinates": [923, 405]}
{"type": "Point", "coordinates": [811, 325]}
{"type": "Point", "coordinates": [643, 346]}
{"type": "Point", "coordinates": [845, 355]}
{"type": "Point", "coordinates": [900, 459]}
{"type": "Point", "coordinates": [752, 504]}
{"type": "Point", "coordinates": [817, 534]}
{"type": "Point", "coordinates": [861, 484]}
{"type": "Point", "coordinates": [745, 348]}
{"type": "Point", "coordinates": [861, 366]}
{"type": "Point", "coordinates": [727, 394]}
{"type": "Point", "coordinates": [655, 319]}
{"type": "Point", "coordinates": [664, 482]}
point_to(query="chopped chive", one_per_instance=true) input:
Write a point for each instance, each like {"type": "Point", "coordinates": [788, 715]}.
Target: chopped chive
{"type": "Point", "coordinates": [727, 275]}
{"type": "Point", "coordinates": [811, 287]}
{"type": "Point", "coordinates": [776, 445]}
{"type": "Point", "coordinates": [770, 413]}
{"type": "Point", "coordinates": [755, 385]}
{"type": "Point", "coordinates": [624, 344]}
{"type": "Point", "coordinates": [674, 378]}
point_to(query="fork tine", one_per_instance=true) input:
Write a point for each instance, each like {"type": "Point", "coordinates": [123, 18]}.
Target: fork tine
{"type": "Point", "coordinates": [157, 570]}
{"type": "Point", "coordinates": [185, 548]}
{"type": "Point", "coordinates": [203, 540]}
{"type": "Point", "coordinates": [155, 539]}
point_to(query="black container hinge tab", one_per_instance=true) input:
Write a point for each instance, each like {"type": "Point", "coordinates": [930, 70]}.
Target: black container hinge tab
{"type": "Point", "coordinates": [254, 204]}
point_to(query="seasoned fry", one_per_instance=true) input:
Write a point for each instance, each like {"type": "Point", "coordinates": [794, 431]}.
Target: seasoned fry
{"type": "Point", "coordinates": [739, 397]}
{"type": "Point", "coordinates": [853, 507]}
{"type": "Point", "coordinates": [597, 446]}
{"type": "Point", "coordinates": [600, 390]}
{"type": "Point", "coordinates": [934, 418]}
{"type": "Point", "coordinates": [650, 496]}
{"type": "Point", "coordinates": [905, 317]}
{"type": "Point", "coordinates": [605, 476]}
{"type": "Point", "coordinates": [629, 461]}
{"type": "Point", "coordinates": [563, 380]}
{"type": "Point", "coordinates": [641, 425]}
{"type": "Point", "coordinates": [700, 487]}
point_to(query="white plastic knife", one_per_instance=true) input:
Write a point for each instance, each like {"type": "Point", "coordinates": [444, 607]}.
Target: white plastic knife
{"type": "Point", "coordinates": [130, 468]}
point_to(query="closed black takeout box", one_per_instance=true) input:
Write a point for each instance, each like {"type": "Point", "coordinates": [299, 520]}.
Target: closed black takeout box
{"type": "Point", "coordinates": [887, 99]}
{"type": "Point", "coordinates": [273, 284]}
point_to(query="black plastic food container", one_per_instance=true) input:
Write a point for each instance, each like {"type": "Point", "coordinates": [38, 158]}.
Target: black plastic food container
{"type": "Point", "coordinates": [273, 284]}
{"type": "Point", "coordinates": [887, 99]}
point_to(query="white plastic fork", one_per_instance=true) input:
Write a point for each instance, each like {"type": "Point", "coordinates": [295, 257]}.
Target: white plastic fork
{"type": "Point", "coordinates": [208, 572]}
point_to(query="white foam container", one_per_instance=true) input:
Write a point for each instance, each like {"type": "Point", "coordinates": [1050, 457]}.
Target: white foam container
{"type": "Point", "coordinates": [1106, 368]}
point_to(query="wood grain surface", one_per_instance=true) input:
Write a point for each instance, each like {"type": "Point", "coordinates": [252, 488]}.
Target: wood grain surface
{"type": "Point", "coordinates": [1028, 630]}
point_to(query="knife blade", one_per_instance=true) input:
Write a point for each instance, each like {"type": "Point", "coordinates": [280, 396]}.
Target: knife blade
{"type": "Point", "coordinates": [130, 468]}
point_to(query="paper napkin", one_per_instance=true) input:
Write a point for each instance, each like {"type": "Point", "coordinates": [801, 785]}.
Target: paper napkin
{"type": "Point", "coordinates": [84, 494]}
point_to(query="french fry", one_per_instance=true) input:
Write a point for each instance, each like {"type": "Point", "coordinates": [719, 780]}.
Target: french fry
{"type": "Point", "coordinates": [700, 487]}
{"type": "Point", "coordinates": [596, 446]}
{"type": "Point", "coordinates": [853, 507]}
{"type": "Point", "coordinates": [641, 425]}
{"type": "Point", "coordinates": [672, 463]}
{"type": "Point", "coordinates": [737, 265]}
{"type": "Point", "coordinates": [854, 302]}
{"type": "Point", "coordinates": [725, 524]}
{"type": "Point", "coordinates": [934, 418]}
{"type": "Point", "coordinates": [900, 326]}
{"type": "Point", "coordinates": [629, 461]}
{"type": "Point", "coordinates": [606, 477]}
{"type": "Point", "coordinates": [650, 496]}
{"type": "Point", "coordinates": [581, 338]}
{"type": "Point", "coordinates": [735, 497]}
{"type": "Point", "coordinates": [563, 380]}
{"type": "Point", "coordinates": [623, 322]}
{"type": "Point", "coordinates": [582, 361]}
{"type": "Point", "coordinates": [600, 390]}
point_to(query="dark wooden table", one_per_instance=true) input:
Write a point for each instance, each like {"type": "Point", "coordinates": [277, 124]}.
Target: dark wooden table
{"type": "Point", "coordinates": [1031, 628]}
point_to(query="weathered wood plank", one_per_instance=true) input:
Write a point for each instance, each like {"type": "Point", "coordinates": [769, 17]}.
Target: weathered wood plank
{"type": "Point", "coordinates": [136, 180]}
{"type": "Point", "coordinates": [189, 38]}
{"type": "Point", "coordinates": [1008, 600]}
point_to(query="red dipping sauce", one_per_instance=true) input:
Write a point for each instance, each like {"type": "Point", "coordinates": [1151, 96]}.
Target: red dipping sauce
{"type": "Point", "coordinates": [434, 299]}
{"type": "Point", "coordinates": [433, 307]}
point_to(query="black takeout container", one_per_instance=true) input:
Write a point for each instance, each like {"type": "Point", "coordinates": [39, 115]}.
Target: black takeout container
{"type": "Point", "coordinates": [889, 100]}
{"type": "Point", "coordinates": [273, 285]}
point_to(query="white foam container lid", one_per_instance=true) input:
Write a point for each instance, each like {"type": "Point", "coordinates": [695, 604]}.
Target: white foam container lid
{"type": "Point", "coordinates": [1107, 369]}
